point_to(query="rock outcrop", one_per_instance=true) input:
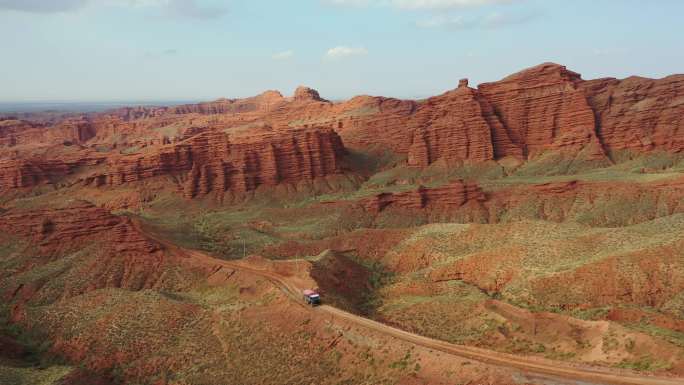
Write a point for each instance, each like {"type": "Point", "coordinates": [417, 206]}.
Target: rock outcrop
{"type": "Point", "coordinates": [214, 161]}
{"type": "Point", "coordinates": [260, 103]}
{"type": "Point", "coordinates": [13, 132]}
{"type": "Point", "coordinates": [263, 102]}
{"type": "Point", "coordinates": [33, 170]}
{"type": "Point", "coordinates": [73, 247]}
{"type": "Point", "coordinates": [23, 133]}
{"type": "Point", "coordinates": [73, 222]}
{"type": "Point", "coordinates": [638, 114]}
{"type": "Point", "coordinates": [23, 173]}
{"type": "Point", "coordinates": [601, 204]}
{"type": "Point", "coordinates": [303, 93]}
{"type": "Point", "coordinates": [448, 197]}
{"type": "Point", "coordinates": [541, 108]}
{"type": "Point", "coordinates": [452, 126]}
{"type": "Point", "coordinates": [362, 122]}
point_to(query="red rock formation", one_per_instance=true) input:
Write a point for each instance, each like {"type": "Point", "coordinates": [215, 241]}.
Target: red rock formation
{"type": "Point", "coordinates": [28, 173]}
{"type": "Point", "coordinates": [263, 103]}
{"type": "Point", "coordinates": [544, 108]}
{"type": "Point", "coordinates": [637, 113]}
{"type": "Point", "coordinates": [450, 127]}
{"type": "Point", "coordinates": [450, 196]}
{"type": "Point", "coordinates": [19, 132]}
{"type": "Point", "coordinates": [93, 248]}
{"type": "Point", "coordinates": [362, 122]}
{"type": "Point", "coordinates": [73, 131]}
{"type": "Point", "coordinates": [541, 108]}
{"type": "Point", "coordinates": [217, 162]}
{"type": "Point", "coordinates": [49, 167]}
{"type": "Point", "coordinates": [303, 93]}
{"type": "Point", "coordinates": [13, 132]}
{"type": "Point", "coordinates": [77, 221]}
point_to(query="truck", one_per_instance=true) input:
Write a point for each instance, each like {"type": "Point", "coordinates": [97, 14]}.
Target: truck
{"type": "Point", "coordinates": [311, 297]}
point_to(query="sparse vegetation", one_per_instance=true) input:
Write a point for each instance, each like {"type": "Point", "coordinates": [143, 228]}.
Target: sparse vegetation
{"type": "Point", "coordinates": [438, 279]}
{"type": "Point", "coordinates": [644, 364]}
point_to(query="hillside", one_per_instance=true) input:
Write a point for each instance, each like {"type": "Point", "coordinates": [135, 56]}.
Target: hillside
{"type": "Point", "coordinates": [541, 216]}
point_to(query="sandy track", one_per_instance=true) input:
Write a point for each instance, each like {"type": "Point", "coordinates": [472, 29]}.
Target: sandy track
{"type": "Point", "coordinates": [536, 366]}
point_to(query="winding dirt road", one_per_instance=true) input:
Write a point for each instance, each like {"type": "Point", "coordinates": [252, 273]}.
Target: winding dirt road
{"type": "Point", "coordinates": [543, 368]}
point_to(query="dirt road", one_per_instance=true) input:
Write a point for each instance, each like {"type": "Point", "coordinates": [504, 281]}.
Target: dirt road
{"type": "Point", "coordinates": [535, 366]}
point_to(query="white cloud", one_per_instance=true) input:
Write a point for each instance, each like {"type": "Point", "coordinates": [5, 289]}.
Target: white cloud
{"type": "Point", "coordinates": [344, 51]}
{"type": "Point", "coordinates": [491, 21]}
{"type": "Point", "coordinates": [419, 4]}
{"type": "Point", "coordinates": [283, 55]}
{"type": "Point", "coordinates": [457, 22]}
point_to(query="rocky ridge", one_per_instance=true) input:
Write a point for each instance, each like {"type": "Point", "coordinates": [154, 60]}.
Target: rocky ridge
{"type": "Point", "coordinates": [215, 161]}
{"type": "Point", "coordinates": [540, 110]}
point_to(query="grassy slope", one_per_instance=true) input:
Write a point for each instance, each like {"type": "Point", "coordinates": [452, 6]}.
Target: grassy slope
{"type": "Point", "coordinates": [450, 310]}
{"type": "Point", "coordinates": [519, 254]}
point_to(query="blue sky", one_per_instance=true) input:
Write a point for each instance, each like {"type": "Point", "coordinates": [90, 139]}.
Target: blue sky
{"type": "Point", "coordinates": [109, 50]}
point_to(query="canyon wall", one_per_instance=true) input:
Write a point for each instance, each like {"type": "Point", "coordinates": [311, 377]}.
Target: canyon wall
{"type": "Point", "coordinates": [214, 161]}
{"type": "Point", "coordinates": [451, 127]}
{"type": "Point", "coordinates": [638, 114]}
{"type": "Point", "coordinates": [540, 109]}
{"type": "Point", "coordinates": [27, 171]}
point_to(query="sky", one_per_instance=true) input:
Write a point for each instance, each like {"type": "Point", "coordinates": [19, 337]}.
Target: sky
{"type": "Point", "coordinates": [119, 50]}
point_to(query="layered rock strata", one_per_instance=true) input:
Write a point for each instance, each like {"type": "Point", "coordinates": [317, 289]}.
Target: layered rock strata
{"type": "Point", "coordinates": [76, 221]}
{"type": "Point", "coordinates": [448, 197]}
{"type": "Point", "coordinates": [213, 161]}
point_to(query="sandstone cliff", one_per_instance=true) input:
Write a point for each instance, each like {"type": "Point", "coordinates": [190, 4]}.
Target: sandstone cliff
{"type": "Point", "coordinates": [214, 161]}
{"type": "Point", "coordinates": [73, 222]}
{"type": "Point", "coordinates": [32, 169]}
{"type": "Point", "coordinates": [638, 114]}
{"type": "Point", "coordinates": [541, 108]}
{"type": "Point", "coordinates": [452, 126]}
{"type": "Point", "coordinates": [23, 133]}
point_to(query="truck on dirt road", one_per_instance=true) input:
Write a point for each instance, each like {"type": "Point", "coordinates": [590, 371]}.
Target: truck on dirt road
{"type": "Point", "coordinates": [312, 297]}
